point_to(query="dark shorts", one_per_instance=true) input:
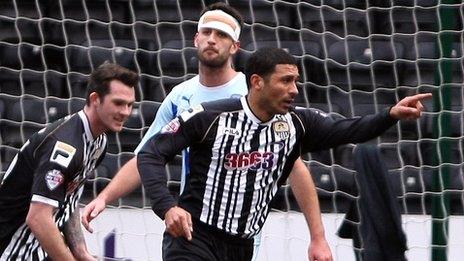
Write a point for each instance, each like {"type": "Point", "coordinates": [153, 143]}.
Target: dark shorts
{"type": "Point", "coordinates": [207, 244]}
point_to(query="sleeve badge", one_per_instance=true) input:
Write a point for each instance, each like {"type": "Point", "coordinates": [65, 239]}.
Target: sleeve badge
{"type": "Point", "coordinates": [54, 178]}
{"type": "Point", "coordinates": [172, 126]}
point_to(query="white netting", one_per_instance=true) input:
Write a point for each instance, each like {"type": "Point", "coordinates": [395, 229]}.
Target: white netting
{"type": "Point", "coordinates": [356, 57]}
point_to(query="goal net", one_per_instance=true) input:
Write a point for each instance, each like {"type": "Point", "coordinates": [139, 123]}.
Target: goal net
{"type": "Point", "coordinates": [356, 57]}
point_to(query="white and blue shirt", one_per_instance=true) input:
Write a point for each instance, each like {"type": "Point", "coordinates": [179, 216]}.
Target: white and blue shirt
{"type": "Point", "coordinates": [185, 96]}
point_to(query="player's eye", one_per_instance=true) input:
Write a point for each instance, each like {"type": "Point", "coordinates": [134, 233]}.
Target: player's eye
{"type": "Point", "coordinates": [222, 35]}
{"type": "Point", "coordinates": [206, 31]}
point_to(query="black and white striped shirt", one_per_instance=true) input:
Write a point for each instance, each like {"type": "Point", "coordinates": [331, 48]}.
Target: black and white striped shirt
{"type": "Point", "coordinates": [51, 168]}
{"type": "Point", "coordinates": [237, 162]}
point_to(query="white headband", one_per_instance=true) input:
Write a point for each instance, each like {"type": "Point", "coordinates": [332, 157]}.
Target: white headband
{"type": "Point", "coordinates": [222, 21]}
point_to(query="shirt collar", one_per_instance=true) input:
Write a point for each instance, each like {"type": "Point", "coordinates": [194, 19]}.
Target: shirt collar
{"type": "Point", "coordinates": [250, 114]}
{"type": "Point", "coordinates": [85, 122]}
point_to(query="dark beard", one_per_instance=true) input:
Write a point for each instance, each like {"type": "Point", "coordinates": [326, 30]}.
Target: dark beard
{"type": "Point", "coordinates": [214, 63]}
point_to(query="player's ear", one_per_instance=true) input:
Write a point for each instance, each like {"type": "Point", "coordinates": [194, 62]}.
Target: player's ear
{"type": "Point", "coordinates": [235, 47]}
{"type": "Point", "coordinates": [256, 81]}
{"type": "Point", "coordinates": [195, 39]}
{"type": "Point", "coordinates": [94, 98]}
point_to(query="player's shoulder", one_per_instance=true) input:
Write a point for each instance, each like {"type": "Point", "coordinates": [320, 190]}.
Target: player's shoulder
{"type": "Point", "coordinates": [61, 127]}
{"type": "Point", "coordinates": [239, 85]}
{"type": "Point", "coordinates": [70, 127]}
{"type": "Point", "coordinates": [241, 78]}
{"type": "Point", "coordinates": [186, 86]}
{"type": "Point", "coordinates": [310, 116]}
{"type": "Point", "coordinates": [223, 105]}
{"type": "Point", "coordinates": [61, 140]}
{"type": "Point", "coordinates": [68, 131]}
{"type": "Point", "coordinates": [183, 89]}
{"type": "Point", "coordinates": [309, 111]}
{"type": "Point", "coordinates": [212, 108]}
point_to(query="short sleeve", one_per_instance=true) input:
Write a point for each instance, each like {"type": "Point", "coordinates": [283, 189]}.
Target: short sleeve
{"type": "Point", "coordinates": [55, 161]}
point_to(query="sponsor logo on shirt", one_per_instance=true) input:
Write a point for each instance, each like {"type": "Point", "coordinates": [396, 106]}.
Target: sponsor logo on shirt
{"type": "Point", "coordinates": [53, 178]}
{"type": "Point", "coordinates": [171, 127]}
{"type": "Point", "coordinates": [254, 160]}
{"type": "Point", "coordinates": [187, 99]}
{"type": "Point", "coordinates": [231, 131]}
{"type": "Point", "coordinates": [62, 154]}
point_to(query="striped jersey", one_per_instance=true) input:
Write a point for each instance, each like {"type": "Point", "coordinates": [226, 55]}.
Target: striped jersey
{"type": "Point", "coordinates": [50, 168]}
{"type": "Point", "coordinates": [237, 162]}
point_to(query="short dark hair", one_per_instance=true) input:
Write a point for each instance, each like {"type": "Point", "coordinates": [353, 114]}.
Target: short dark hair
{"type": "Point", "coordinates": [264, 60]}
{"type": "Point", "coordinates": [226, 9]}
{"type": "Point", "coordinates": [100, 79]}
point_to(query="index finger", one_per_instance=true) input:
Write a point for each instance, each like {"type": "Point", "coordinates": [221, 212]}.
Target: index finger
{"type": "Point", "coordinates": [421, 96]}
{"type": "Point", "coordinates": [187, 227]}
{"type": "Point", "coordinates": [85, 220]}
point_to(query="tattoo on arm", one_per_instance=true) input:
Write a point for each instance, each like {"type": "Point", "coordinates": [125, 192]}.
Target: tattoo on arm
{"type": "Point", "coordinates": [73, 232]}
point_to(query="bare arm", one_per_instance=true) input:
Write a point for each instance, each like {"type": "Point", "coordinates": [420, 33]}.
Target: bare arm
{"type": "Point", "coordinates": [75, 237]}
{"type": "Point", "coordinates": [40, 221]}
{"type": "Point", "coordinates": [305, 193]}
{"type": "Point", "coordinates": [125, 181]}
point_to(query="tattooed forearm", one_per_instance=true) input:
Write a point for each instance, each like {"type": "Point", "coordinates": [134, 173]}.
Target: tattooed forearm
{"type": "Point", "coordinates": [73, 232]}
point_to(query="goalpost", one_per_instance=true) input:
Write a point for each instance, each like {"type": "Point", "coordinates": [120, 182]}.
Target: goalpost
{"type": "Point", "coordinates": [356, 57]}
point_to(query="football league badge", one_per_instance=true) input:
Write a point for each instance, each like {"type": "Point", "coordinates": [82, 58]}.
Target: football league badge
{"type": "Point", "coordinates": [172, 127]}
{"type": "Point", "coordinates": [54, 178]}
